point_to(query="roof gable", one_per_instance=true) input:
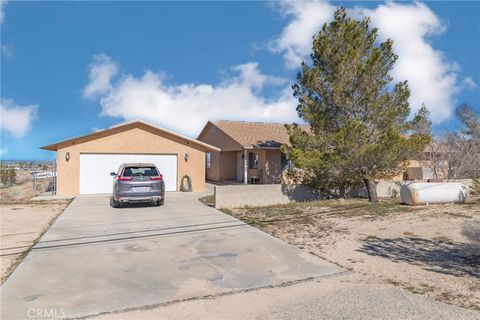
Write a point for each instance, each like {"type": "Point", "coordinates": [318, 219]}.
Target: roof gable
{"type": "Point", "coordinates": [125, 127]}
{"type": "Point", "coordinates": [213, 135]}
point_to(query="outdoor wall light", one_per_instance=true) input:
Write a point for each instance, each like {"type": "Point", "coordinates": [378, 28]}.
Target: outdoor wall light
{"type": "Point", "coordinates": [67, 156]}
{"type": "Point", "coordinates": [186, 157]}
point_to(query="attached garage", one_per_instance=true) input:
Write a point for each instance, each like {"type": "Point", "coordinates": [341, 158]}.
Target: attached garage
{"type": "Point", "coordinates": [95, 169]}
{"type": "Point", "coordinates": [84, 163]}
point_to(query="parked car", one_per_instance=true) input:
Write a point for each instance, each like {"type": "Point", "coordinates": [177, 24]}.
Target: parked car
{"type": "Point", "coordinates": [137, 182]}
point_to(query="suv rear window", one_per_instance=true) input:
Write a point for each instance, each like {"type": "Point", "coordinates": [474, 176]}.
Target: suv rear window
{"type": "Point", "coordinates": [140, 171]}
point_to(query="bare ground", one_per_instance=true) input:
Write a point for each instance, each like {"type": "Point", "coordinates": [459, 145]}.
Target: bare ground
{"type": "Point", "coordinates": [421, 249]}
{"type": "Point", "coordinates": [23, 221]}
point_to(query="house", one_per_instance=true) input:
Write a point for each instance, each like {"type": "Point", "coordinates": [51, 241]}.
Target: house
{"type": "Point", "coordinates": [84, 163]}
{"type": "Point", "coordinates": [431, 164]}
{"type": "Point", "coordinates": [250, 151]}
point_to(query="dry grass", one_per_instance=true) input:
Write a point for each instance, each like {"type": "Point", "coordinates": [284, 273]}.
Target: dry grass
{"type": "Point", "coordinates": [23, 221]}
{"type": "Point", "coordinates": [304, 212]}
{"type": "Point", "coordinates": [22, 191]}
{"type": "Point", "coordinates": [421, 249]}
{"type": "Point", "coordinates": [207, 200]}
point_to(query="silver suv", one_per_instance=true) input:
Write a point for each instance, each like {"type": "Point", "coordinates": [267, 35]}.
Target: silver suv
{"type": "Point", "coordinates": [137, 182]}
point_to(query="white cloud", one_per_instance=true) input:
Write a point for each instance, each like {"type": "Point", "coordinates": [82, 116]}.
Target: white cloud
{"type": "Point", "coordinates": [432, 78]}
{"type": "Point", "coordinates": [102, 70]}
{"type": "Point", "coordinates": [6, 51]}
{"type": "Point", "coordinates": [251, 77]}
{"type": "Point", "coordinates": [97, 129]}
{"type": "Point", "coordinates": [295, 41]}
{"type": "Point", "coordinates": [3, 151]}
{"type": "Point", "coordinates": [468, 83]}
{"type": "Point", "coordinates": [187, 107]}
{"type": "Point", "coordinates": [2, 10]}
{"type": "Point", "coordinates": [15, 119]}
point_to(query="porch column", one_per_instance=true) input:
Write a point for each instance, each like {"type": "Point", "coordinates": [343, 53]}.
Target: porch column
{"type": "Point", "coordinates": [245, 166]}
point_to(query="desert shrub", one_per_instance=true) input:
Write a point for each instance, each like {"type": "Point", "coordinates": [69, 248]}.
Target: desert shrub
{"type": "Point", "coordinates": [475, 187]}
{"type": "Point", "coordinates": [471, 230]}
{"type": "Point", "coordinates": [8, 176]}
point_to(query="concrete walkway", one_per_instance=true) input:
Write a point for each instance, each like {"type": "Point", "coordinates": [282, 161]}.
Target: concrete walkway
{"type": "Point", "coordinates": [97, 259]}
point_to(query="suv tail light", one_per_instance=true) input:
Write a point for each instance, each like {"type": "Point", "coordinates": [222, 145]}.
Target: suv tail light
{"type": "Point", "coordinates": [125, 178]}
{"type": "Point", "coordinates": [160, 177]}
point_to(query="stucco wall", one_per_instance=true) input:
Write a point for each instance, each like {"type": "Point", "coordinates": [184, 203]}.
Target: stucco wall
{"type": "Point", "coordinates": [213, 173]}
{"type": "Point", "coordinates": [222, 164]}
{"type": "Point", "coordinates": [216, 137]}
{"type": "Point", "coordinates": [228, 165]}
{"type": "Point", "coordinates": [137, 139]}
{"type": "Point", "coordinates": [259, 195]}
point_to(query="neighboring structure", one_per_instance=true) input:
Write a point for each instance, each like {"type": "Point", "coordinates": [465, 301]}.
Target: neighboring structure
{"type": "Point", "coordinates": [84, 163]}
{"type": "Point", "coordinates": [250, 151]}
{"type": "Point", "coordinates": [432, 164]}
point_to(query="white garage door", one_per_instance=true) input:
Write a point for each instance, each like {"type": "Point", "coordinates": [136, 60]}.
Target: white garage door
{"type": "Point", "coordinates": [95, 170]}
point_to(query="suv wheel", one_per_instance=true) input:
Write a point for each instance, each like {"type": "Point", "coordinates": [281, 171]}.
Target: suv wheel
{"type": "Point", "coordinates": [114, 203]}
{"type": "Point", "coordinates": [160, 202]}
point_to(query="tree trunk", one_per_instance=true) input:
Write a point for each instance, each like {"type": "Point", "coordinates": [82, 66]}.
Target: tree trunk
{"type": "Point", "coordinates": [371, 190]}
{"type": "Point", "coordinates": [341, 192]}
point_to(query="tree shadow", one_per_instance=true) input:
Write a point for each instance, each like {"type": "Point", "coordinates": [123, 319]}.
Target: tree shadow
{"type": "Point", "coordinates": [446, 257]}
{"type": "Point", "coordinates": [301, 192]}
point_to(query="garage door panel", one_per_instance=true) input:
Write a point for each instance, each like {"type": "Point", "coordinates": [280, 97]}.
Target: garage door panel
{"type": "Point", "coordinates": [95, 170]}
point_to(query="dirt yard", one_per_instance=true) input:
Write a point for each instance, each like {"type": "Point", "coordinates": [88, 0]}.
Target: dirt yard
{"type": "Point", "coordinates": [23, 221]}
{"type": "Point", "coordinates": [422, 249]}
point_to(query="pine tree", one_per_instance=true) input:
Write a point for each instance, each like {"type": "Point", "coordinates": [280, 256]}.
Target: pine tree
{"type": "Point", "coordinates": [359, 123]}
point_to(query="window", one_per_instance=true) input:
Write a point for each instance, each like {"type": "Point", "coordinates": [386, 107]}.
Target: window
{"type": "Point", "coordinates": [140, 171]}
{"type": "Point", "coordinates": [208, 160]}
{"type": "Point", "coordinates": [252, 160]}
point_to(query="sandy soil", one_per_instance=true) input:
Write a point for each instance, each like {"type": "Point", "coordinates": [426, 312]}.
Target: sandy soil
{"type": "Point", "coordinates": [23, 221]}
{"type": "Point", "coordinates": [22, 191]}
{"type": "Point", "coordinates": [420, 249]}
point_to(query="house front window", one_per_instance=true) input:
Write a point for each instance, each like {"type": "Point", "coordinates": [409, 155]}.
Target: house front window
{"type": "Point", "coordinates": [252, 160]}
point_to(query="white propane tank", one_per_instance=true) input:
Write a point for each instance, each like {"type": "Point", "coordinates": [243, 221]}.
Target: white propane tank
{"type": "Point", "coordinates": [427, 193]}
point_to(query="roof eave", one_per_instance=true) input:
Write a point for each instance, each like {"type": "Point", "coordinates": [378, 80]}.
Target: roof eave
{"type": "Point", "coordinates": [54, 146]}
{"type": "Point", "coordinates": [51, 147]}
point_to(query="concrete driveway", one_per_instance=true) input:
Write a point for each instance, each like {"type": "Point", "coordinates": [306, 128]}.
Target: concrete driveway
{"type": "Point", "coordinates": [97, 259]}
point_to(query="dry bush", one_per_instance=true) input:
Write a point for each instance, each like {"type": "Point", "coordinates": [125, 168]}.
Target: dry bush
{"type": "Point", "coordinates": [475, 187]}
{"type": "Point", "coordinates": [471, 230]}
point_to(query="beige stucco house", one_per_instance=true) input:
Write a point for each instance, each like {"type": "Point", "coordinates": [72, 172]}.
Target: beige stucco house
{"type": "Point", "coordinates": [250, 151]}
{"type": "Point", "coordinates": [234, 151]}
{"type": "Point", "coordinates": [84, 163]}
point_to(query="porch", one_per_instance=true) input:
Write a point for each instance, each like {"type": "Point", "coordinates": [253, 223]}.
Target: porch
{"type": "Point", "coordinates": [246, 166]}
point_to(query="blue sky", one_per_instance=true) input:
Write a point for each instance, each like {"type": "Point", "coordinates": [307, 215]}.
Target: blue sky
{"type": "Point", "coordinates": [68, 68]}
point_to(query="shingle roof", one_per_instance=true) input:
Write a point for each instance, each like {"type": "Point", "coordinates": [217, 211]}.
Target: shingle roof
{"type": "Point", "coordinates": [255, 134]}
